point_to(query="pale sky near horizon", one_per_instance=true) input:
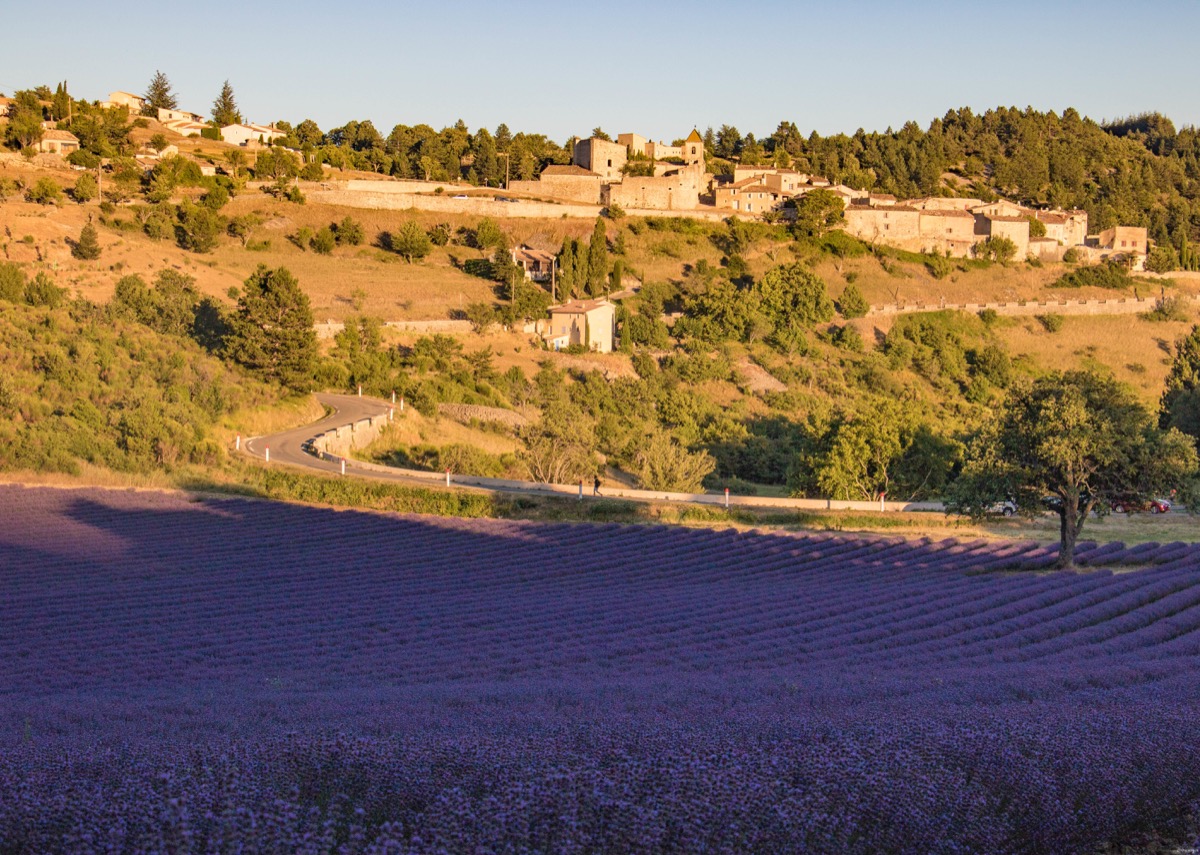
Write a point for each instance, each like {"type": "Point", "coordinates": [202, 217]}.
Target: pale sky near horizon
{"type": "Point", "coordinates": [653, 68]}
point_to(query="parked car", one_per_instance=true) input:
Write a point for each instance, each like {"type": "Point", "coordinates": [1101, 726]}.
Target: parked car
{"type": "Point", "coordinates": [1006, 508]}
{"type": "Point", "coordinates": [1160, 506]}
{"type": "Point", "coordinates": [1054, 503]}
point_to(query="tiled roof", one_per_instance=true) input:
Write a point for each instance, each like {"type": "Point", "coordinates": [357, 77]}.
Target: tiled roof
{"type": "Point", "coordinates": [694, 136]}
{"type": "Point", "coordinates": [571, 169]}
{"type": "Point", "coordinates": [575, 307]}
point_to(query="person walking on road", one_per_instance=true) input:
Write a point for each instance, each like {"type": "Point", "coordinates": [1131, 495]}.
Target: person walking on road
{"type": "Point", "coordinates": [596, 486]}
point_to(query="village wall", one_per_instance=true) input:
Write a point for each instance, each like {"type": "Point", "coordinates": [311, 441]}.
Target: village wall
{"type": "Point", "coordinates": [680, 190]}
{"type": "Point", "coordinates": [575, 188]}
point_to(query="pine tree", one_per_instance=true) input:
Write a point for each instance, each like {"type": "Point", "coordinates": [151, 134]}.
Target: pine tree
{"type": "Point", "coordinates": [272, 329]}
{"type": "Point", "coordinates": [159, 95]}
{"type": "Point", "coordinates": [225, 109]}
{"type": "Point", "coordinates": [597, 260]}
{"type": "Point", "coordinates": [87, 248]}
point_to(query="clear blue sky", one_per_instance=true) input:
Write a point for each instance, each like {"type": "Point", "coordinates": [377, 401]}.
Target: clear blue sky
{"type": "Point", "coordinates": [653, 68]}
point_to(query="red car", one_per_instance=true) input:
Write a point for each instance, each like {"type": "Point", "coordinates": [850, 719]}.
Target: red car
{"type": "Point", "coordinates": [1135, 504]}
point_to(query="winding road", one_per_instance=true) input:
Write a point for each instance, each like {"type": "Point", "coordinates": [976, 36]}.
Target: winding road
{"type": "Point", "coordinates": [293, 448]}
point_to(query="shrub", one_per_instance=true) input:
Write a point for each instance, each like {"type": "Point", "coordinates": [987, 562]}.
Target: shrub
{"type": "Point", "coordinates": [1167, 309]}
{"type": "Point", "coordinates": [349, 232]}
{"type": "Point", "coordinates": [44, 192]}
{"type": "Point", "coordinates": [1112, 275]}
{"type": "Point", "coordinates": [1072, 256]}
{"type": "Point", "coordinates": [323, 241]}
{"type": "Point", "coordinates": [1051, 323]}
{"type": "Point", "coordinates": [999, 249]}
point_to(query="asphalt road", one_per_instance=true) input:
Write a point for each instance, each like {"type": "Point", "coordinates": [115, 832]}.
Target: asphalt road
{"type": "Point", "coordinates": [287, 447]}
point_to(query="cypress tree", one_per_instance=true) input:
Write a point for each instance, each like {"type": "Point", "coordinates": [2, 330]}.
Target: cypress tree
{"type": "Point", "coordinates": [597, 259]}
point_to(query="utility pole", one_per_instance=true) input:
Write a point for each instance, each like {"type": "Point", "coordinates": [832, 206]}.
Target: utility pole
{"type": "Point", "coordinates": [504, 155]}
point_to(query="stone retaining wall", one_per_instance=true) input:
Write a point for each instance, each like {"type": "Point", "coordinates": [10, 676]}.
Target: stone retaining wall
{"type": "Point", "coordinates": [1115, 306]}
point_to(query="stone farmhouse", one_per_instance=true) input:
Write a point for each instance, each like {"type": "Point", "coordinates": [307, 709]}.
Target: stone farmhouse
{"type": "Point", "coordinates": [537, 264]}
{"type": "Point", "coordinates": [590, 323]}
{"type": "Point", "coordinates": [597, 175]}
{"type": "Point", "coordinates": [57, 142]}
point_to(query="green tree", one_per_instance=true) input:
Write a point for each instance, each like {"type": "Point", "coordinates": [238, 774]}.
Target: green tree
{"type": "Point", "coordinates": [597, 259]}
{"type": "Point", "coordinates": [858, 462]}
{"type": "Point", "coordinates": [12, 282]}
{"type": "Point", "coordinates": [60, 109]}
{"type": "Point", "coordinates": [852, 304]}
{"type": "Point", "coordinates": [1162, 259]}
{"type": "Point", "coordinates": [818, 211]}
{"type": "Point", "coordinates": [271, 331]}
{"type": "Point", "coordinates": [87, 248]}
{"type": "Point", "coordinates": [792, 295]}
{"type": "Point", "coordinates": [25, 117]}
{"type": "Point", "coordinates": [45, 191]}
{"type": "Point", "coordinates": [999, 249]}
{"type": "Point", "coordinates": [225, 109]}
{"type": "Point", "coordinates": [85, 188]}
{"type": "Point", "coordinates": [160, 96]}
{"type": "Point", "coordinates": [1179, 406]}
{"type": "Point", "coordinates": [488, 236]}
{"type": "Point", "coordinates": [664, 464]}
{"type": "Point", "coordinates": [1080, 437]}
{"type": "Point", "coordinates": [560, 449]}
{"type": "Point", "coordinates": [481, 316]}
{"type": "Point", "coordinates": [198, 227]}
{"type": "Point", "coordinates": [411, 241]}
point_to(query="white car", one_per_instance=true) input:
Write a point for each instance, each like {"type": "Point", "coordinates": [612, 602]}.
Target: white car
{"type": "Point", "coordinates": [1006, 508]}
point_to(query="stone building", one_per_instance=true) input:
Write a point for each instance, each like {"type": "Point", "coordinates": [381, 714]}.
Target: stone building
{"type": "Point", "coordinates": [1130, 240]}
{"type": "Point", "coordinates": [57, 142]}
{"type": "Point", "coordinates": [537, 264]}
{"type": "Point", "coordinates": [602, 157]}
{"type": "Point", "coordinates": [943, 230]}
{"type": "Point", "coordinates": [1015, 228]}
{"type": "Point", "coordinates": [675, 190]}
{"type": "Point", "coordinates": [568, 182]}
{"type": "Point", "coordinates": [894, 225]}
{"type": "Point", "coordinates": [124, 99]}
{"type": "Point", "coordinates": [590, 323]}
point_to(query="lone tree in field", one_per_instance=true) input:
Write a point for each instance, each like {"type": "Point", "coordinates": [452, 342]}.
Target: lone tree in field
{"type": "Point", "coordinates": [272, 330]}
{"type": "Point", "coordinates": [225, 109]}
{"type": "Point", "coordinates": [159, 95]}
{"type": "Point", "coordinates": [87, 248]}
{"type": "Point", "coordinates": [1079, 437]}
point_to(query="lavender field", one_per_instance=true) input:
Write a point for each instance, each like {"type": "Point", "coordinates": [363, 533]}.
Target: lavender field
{"type": "Point", "coordinates": [228, 676]}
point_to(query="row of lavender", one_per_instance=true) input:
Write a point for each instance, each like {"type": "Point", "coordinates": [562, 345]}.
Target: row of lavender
{"type": "Point", "coordinates": [232, 676]}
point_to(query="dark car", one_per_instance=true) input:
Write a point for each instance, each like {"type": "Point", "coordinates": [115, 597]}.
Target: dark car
{"type": "Point", "coordinates": [1055, 503]}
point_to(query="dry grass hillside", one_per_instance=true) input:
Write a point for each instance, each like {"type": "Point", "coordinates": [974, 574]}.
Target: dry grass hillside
{"type": "Point", "coordinates": [368, 279]}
